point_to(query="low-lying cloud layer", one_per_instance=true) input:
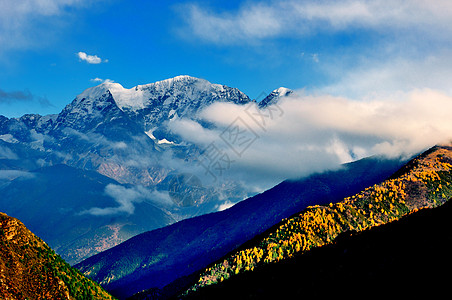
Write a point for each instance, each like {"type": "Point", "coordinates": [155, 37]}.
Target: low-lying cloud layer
{"type": "Point", "coordinates": [310, 133]}
{"type": "Point", "coordinates": [127, 198]}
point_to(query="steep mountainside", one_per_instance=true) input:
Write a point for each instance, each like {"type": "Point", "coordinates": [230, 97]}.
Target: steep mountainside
{"type": "Point", "coordinates": [29, 269]}
{"type": "Point", "coordinates": [275, 95]}
{"type": "Point", "coordinates": [155, 259]}
{"type": "Point", "coordinates": [406, 258]}
{"type": "Point", "coordinates": [425, 182]}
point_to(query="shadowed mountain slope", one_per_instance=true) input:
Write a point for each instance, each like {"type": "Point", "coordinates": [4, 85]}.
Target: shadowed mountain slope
{"type": "Point", "coordinates": [157, 258]}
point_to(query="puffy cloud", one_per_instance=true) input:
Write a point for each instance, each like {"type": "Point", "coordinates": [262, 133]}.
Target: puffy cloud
{"type": "Point", "coordinates": [91, 59]}
{"type": "Point", "coordinates": [191, 130]}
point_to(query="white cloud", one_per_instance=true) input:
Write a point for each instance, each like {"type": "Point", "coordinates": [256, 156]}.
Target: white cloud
{"type": "Point", "coordinates": [31, 23]}
{"type": "Point", "coordinates": [91, 59]}
{"type": "Point", "coordinates": [13, 174]}
{"type": "Point", "coordinates": [316, 133]}
{"type": "Point", "coordinates": [191, 130]}
{"type": "Point", "coordinates": [374, 76]}
{"type": "Point", "coordinates": [225, 205]}
{"type": "Point", "coordinates": [100, 80]}
{"type": "Point", "coordinates": [269, 19]}
{"type": "Point", "coordinates": [127, 198]}
{"type": "Point", "coordinates": [254, 21]}
{"type": "Point", "coordinates": [315, 57]}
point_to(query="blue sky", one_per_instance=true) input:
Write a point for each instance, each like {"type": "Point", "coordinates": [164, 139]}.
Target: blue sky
{"type": "Point", "coordinates": [354, 49]}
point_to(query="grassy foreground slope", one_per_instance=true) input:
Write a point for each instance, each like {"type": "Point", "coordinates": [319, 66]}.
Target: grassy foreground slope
{"type": "Point", "coordinates": [425, 182]}
{"type": "Point", "coordinates": [29, 269]}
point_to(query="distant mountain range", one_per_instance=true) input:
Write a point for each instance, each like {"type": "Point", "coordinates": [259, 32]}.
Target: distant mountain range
{"type": "Point", "coordinates": [115, 131]}
{"type": "Point", "coordinates": [106, 164]}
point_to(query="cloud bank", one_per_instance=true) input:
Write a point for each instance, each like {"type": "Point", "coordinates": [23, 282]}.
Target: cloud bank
{"type": "Point", "coordinates": [313, 133]}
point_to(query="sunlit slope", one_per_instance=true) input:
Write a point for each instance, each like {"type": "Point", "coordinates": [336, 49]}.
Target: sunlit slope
{"type": "Point", "coordinates": [425, 182]}
{"type": "Point", "coordinates": [29, 269]}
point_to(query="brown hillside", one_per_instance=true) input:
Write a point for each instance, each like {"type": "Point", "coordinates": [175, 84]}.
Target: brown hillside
{"type": "Point", "coordinates": [29, 269]}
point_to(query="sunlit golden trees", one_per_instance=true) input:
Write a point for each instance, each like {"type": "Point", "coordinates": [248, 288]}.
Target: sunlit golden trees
{"type": "Point", "coordinates": [426, 184]}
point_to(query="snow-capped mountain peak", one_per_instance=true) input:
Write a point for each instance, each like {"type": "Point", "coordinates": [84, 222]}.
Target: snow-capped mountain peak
{"type": "Point", "coordinates": [89, 108]}
{"type": "Point", "coordinates": [282, 92]}
{"type": "Point", "coordinates": [98, 91]}
{"type": "Point", "coordinates": [155, 102]}
{"type": "Point", "coordinates": [275, 95]}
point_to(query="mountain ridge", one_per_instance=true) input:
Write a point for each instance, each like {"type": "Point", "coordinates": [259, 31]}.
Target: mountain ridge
{"type": "Point", "coordinates": [425, 182]}
{"type": "Point", "coordinates": [403, 258]}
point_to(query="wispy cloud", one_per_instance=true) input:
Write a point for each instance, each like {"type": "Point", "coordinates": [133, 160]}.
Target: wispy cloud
{"type": "Point", "coordinates": [291, 18]}
{"type": "Point", "coordinates": [91, 59]}
{"type": "Point", "coordinates": [315, 57]}
{"type": "Point", "coordinates": [15, 96]}
{"type": "Point", "coordinates": [13, 174]}
{"type": "Point", "coordinates": [389, 75]}
{"type": "Point", "coordinates": [127, 198]}
{"type": "Point", "coordinates": [10, 97]}
{"type": "Point", "coordinates": [18, 20]}
{"type": "Point", "coordinates": [100, 80]}
{"type": "Point", "coordinates": [6, 153]}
